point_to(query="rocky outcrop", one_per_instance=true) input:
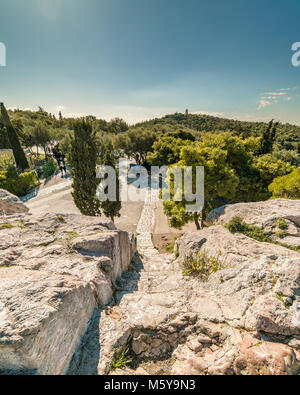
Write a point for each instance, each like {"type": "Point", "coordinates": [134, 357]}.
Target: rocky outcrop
{"type": "Point", "coordinates": [248, 313]}
{"type": "Point", "coordinates": [280, 218]}
{"type": "Point", "coordinates": [10, 204]}
{"type": "Point", "coordinates": [55, 271]}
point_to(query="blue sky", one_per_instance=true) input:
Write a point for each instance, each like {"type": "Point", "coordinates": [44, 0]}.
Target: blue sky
{"type": "Point", "coordinates": [144, 58]}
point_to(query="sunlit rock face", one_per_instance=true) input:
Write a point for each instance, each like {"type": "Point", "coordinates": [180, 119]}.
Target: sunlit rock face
{"type": "Point", "coordinates": [10, 204]}
{"type": "Point", "coordinates": [279, 218]}
{"type": "Point", "coordinates": [54, 271]}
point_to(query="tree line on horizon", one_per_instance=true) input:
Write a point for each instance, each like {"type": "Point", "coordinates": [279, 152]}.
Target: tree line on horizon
{"type": "Point", "coordinates": [242, 160]}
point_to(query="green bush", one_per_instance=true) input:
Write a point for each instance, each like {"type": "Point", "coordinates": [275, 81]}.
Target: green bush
{"type": "Point", "coordinates": [238, 225]}
{"type": "Point", "coordinates": [18, 184]}
{"type": "Point", "coordinates": [48, 169]}
{"type": "Point", "coordinates": [287, 187]}
{"type": "Point", "coordinates": [6, 161]}
{"type": "Point", "coordinates": [202, 266]}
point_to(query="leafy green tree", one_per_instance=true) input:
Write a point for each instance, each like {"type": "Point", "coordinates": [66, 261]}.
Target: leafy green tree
{"type": "Point", "coordinates": [166, 150]}
{"type": "Point", "coordinates": [220, 181]}
{"type": "Point", "coordinates": [41, 136]}
{"type": "Point", "coordinates": [13, 139]}
{"type": "Point", "coordinates": [135, 144]}
{"type": "Point", "coordinates": [268, 168]}
{"type": "Point", "coordinates": [116, 126]}
{"type": "Point", "coordinates": [111, 209]}
{"type": "Point", "coordinates": [287, 186]}
{"type": "Point", "coordinates": [83, 158]}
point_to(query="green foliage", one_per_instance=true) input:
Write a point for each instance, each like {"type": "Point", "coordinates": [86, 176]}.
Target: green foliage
{"type": "Point", "coordinates": [6, 225]}
{"type": "Point", "coordinates": [170, 247]}
{"type": "Point", "coordinates": [48, 169]}
{"type": "Point", "coordinates": [111, 209]}
{"type": "Point", "coordinates": [18, 184]}
{"type": "Point", "coordinates": [6, 162]}
{"type": "Point", "coordinates": [202, 266]}
{"type": "Point", "coordinates": [237, 225]}
{"type": "Point", "coordinates": [268, 138]}
{"type": "Point", "coordinates": [281, 224]}
{"type": "Point", "coordinates": [282, 234]}
{"type": "Point", "coordinates": [65, 143]}
{"type": "Point", "coordinates": [14, 141]}
{"type": "Point", "coordinates": [280, 298]}
{"type": "Point", "coordinates": [135, 144]}
{"type": "Point", "coordinates": [121, 359]}
{"type": "Point", "coordinates": [116, 126]}
{"type": "Point", "coordinates": [166, 150]}
{"type": "Point", "coordinates": [287, 187]}
{"type": "Point", "coordinates": [83, 158]}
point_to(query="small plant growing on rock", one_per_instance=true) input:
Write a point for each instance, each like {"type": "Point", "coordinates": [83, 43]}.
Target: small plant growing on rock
{"type": "Point", "coordinates": [121, 359]}
{"type": "Point", "coordinates": [237, 225]}
{"type": "Point", "coordinates": [6, 225]}
{"type": "Point", "coordinates": [281, 224]}
{"type": "Point", "coordinates": [61, 219]}
{"type": "Point", "coordinates": [202, 266]}
{"type": "Point", "coordinates": [282, 234]}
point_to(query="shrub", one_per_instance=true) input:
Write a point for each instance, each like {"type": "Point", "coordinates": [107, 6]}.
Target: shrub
{"type": "Point", "coordinates": [48, 169]}
{"type": "Point", "coordinates": [6, 161]}
{"type": "Point", "coordinates": [18, 184]}
{"type": "Point", "coordinates": [202, 266]}
{"type": "Point", "coordinates": [238, 225]}
{"type": "Point", "coordinates": [287, 187]}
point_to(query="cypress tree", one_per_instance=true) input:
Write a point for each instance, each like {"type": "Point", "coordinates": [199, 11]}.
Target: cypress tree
{"type": "Point", "coordinates": [268, 138]}
{"type": "Point", "coordinates": [13, 139]}
{"type": "Point", "coordinates": [111, 209]}
{"type": "Point", "coordinates": [83, 159]}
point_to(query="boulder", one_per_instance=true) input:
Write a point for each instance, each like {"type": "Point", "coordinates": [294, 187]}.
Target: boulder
{"type": "Point", "coordinates": [11, 204]}
{"type": "Point", "coordinates": [269, 215]}
{"type": "Point", "coordinates": [55, 271]}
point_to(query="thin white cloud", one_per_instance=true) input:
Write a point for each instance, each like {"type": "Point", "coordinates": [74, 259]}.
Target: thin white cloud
{"type": "Point", "coordinates": [264, 103]}
{"type": "Point", "coordinates": [269, 98]}
{"type": "Point", "coordinates": [276, 93]}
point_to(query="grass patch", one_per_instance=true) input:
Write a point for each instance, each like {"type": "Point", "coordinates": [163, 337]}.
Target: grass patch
{"type": "Point", "coordinates": [170, 247]}
{"type": "Point", "coordinates": [202, 266]}
{"type": "Point", "coordinates": [237, 225]}
{"type": "Point", "coordinates": [6, 225]}
{"type": "Point", "coordinates": [72, 235]}
{"type": "Point", "coordinates": [281, 224]}
{"type": "Point", "coordinates": [282, 234]}
{"type": "Point", "coordinates": [279, 297]}
{"type": "Point", "coordinates": [121, 359]}
{"type": "Point", "coordinates": [61, 219]}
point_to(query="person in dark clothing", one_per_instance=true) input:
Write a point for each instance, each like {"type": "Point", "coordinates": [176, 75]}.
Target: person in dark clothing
{"type": "Point", "coordinates": [62, 165]}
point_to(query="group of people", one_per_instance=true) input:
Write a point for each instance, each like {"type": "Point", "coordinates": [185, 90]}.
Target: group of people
{"type": "Point", "coordinates": [61, 161]}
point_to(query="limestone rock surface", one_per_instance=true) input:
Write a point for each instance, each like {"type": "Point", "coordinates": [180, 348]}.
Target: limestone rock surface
{"type": "Point", "coordinates": [55, 271]}
{"type": "Point", "coordinates": [10, 204]}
